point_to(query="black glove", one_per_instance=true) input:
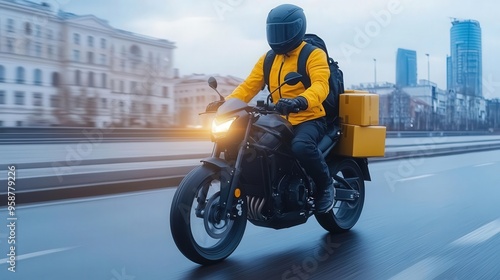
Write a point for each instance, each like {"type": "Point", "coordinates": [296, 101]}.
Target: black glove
{"type": "Point", "coordinates": [286, 106]}
{"type": "Point", "coordinates": [213, 106]}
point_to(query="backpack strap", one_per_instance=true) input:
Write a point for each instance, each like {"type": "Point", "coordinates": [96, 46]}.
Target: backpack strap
{"type": "Point", "coordinates": [268, 63]}
{"type": "Point", "coordinates": [304, 54]}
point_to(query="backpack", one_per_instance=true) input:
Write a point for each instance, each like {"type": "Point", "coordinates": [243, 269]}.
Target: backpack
{"type": "Point", "coordinates": [336, 80]}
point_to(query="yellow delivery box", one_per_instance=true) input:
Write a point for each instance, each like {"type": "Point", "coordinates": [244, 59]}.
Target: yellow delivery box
{"type": "Point", "coordinates": [361, 141]}
{"type": "Point", "coordinates": [359, 108]}
{"type": "Point", "coordinates": [355, 91]}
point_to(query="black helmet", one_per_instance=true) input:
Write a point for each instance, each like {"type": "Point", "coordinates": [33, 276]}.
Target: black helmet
{"type": "Point", "coordinates": [285, 28]}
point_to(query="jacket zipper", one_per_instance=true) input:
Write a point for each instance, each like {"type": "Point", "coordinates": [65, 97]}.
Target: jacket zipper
{"type": "Point", "coordinates": [279, 74]}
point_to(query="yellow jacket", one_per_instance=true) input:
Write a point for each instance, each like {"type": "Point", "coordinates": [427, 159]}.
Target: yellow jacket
{"type": "Point", "coordinates": [317, 70]}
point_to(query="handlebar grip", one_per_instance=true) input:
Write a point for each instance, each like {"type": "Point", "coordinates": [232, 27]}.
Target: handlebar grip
{"type": "Point", "coordinates": [295, 110]}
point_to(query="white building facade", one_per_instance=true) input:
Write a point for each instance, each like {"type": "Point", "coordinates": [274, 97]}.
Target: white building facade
{"type": "Point", "coordinates": [58, 68]}
{"type": "Point", "coordinates": [193, 94]}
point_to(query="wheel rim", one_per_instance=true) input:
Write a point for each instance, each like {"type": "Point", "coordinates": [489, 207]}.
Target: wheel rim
{"type": "Point", "coordinates": [197, 228]}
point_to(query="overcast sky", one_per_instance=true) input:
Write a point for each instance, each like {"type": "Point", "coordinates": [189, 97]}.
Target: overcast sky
{"type": "Point", "coordinates": [227, 36]}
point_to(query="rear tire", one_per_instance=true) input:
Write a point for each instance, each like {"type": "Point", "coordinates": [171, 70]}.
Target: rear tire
{"type": "Point", "coordinates": [203, 238]}
{"type": "Point", "coordinates": [344, 214]}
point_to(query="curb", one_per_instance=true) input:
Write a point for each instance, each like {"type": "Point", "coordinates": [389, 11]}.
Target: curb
{"type": "Point", "coordinates": [436, 152]}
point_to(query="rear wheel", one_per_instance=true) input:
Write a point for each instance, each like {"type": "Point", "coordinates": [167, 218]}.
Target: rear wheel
{"type": "Point", "coordinates": [199, 229]}
{"type": "Point", "coordinates": [344, 214]}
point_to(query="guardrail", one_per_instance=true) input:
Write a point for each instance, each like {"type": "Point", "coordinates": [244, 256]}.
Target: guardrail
{"type": "Point", "coordinates": [36, 190]}
{"type": "Point", "coordinates": [72, 133]}
{"type": "Point", "coordinates": [400, 134]}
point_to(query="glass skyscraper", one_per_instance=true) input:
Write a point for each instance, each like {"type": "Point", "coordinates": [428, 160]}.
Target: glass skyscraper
{"type": "Point", "coordinates": [406, 68]}
{"type": "Point", "coordinates": [464, 65]}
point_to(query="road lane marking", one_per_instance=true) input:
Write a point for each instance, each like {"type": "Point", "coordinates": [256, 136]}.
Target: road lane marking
{"type": "Point", "coordinates": [484, 164]}
{"type": "Point", "coordinates": [415, 177]}
{"type": "Point", "coordinates": [37, 254]}
{"type": "Point", "coordinates": [480, 235]}
{"type": "Point", "coordinates": [428, 268]}
{"type": "Point", "coordinates": [432, 267]}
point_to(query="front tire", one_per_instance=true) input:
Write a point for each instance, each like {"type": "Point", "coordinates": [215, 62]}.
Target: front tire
{"type": "Point", "coordinates": [344, 214]}
{"type": "Point", "coordinates": [199, 233]}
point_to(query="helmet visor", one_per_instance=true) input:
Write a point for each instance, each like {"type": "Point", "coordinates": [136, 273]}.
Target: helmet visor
{"type": "Point", "coordinates": [278, 33]}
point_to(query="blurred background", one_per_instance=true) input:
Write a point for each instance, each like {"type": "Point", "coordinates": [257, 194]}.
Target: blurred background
{"type": "Point", "coordinates": [120, 64]}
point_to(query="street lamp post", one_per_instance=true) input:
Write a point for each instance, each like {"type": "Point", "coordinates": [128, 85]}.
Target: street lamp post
{"type": "Point", "coordinates": [428, 70]}
{"type": "Point", "coordinates": [375, 72]}
{"type": "Point", "coordinates": [434, 102]}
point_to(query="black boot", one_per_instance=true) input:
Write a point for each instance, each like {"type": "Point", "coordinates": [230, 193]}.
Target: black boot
{"type": "Point", "coordinates": [324, 199]}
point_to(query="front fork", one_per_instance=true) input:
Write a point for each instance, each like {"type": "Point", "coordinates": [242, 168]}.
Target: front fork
{"type": "Point", "coordinates": [229, 178]}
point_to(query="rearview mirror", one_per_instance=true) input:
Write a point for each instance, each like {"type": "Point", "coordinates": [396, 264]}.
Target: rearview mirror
{"type": "Point", "coordinates": [212, 82]}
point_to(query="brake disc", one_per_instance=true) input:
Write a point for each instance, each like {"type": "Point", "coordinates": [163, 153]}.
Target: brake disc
{"type": "Point", "coordinates": [215, 225]}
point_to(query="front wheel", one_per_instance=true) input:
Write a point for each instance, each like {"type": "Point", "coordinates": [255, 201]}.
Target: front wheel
{"type": "Point", "coordinates": [199, 230]}
{"type": "Point", "coordinates": [344, 214]}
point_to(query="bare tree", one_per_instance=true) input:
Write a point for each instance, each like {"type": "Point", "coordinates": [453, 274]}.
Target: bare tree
{"type": "Point", "coordinates": [90, 108]}
{"type": "Point", "coordinates": [63, 107]}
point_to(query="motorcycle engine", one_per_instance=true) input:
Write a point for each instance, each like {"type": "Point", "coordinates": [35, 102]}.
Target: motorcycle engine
{"type": "Point", "coordinates": [293, 192]}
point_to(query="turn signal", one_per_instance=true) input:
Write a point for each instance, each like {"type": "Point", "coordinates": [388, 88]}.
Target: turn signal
{"type": "Point", "coordinates": [237, 193]}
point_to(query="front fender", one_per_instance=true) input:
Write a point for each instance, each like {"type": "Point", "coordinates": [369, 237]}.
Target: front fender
{"type": "Point", "coordinates": [217, 163]}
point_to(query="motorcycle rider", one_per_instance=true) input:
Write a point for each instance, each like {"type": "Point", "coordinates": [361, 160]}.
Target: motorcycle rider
{"type": "Point", "coordinates": [285, 28]}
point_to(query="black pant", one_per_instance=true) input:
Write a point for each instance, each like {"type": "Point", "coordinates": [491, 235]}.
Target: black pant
{"type": "Point", "coordinates": [305, 148]}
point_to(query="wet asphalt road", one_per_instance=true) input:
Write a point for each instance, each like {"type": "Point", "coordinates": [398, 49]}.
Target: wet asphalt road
{"type": "Point", "coordinates": [428, 218]}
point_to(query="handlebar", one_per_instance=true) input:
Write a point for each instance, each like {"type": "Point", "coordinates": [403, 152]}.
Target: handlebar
{"type": "Point", "coordinates": [261, 107]}
{"type": "Point", "coordinates": [270, 108]}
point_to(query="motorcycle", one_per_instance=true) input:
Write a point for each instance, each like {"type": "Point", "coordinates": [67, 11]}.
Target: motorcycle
{"type": "Point", "coordinates": [252, 176]}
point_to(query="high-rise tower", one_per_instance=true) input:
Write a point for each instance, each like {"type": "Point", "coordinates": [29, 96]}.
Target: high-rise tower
{"type": "Point", "coordinates": [464, 65]}
{"type": "Point", "coordinates": [406, 68]}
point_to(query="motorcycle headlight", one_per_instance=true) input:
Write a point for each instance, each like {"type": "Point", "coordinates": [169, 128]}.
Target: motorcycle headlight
{"type": "Point", "coordinates": [220, 128]}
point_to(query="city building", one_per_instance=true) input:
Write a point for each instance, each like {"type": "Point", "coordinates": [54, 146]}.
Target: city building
{"type": "Point", "coordinates": [466, 112]}
{"type": "Point", "coordinates": [464, 65]}
{"type": "Point", "coordinates": [420, 107]}
{"type": "Point", "coordinates": [58, 68]}
{"type": "Point", "coordinates": [464, 75]}
{"type": "Point", "coordinates": [493, 113]}
{"type": "Point", "coordinates": [406, 68]}
{"type": "Point", "coordinates": [423, 106]}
